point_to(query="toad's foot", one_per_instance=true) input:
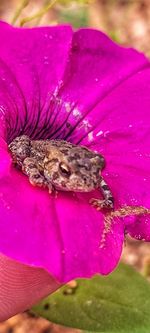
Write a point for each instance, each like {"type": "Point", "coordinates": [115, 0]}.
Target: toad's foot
{"type": "Point", "coordinates": [102, 204]}
{"type": "Point", "coordinates": [29, 167]}
{"type": "Point", "coordinates": [37, 180]}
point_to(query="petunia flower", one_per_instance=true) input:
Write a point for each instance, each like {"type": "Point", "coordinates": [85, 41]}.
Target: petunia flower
{"type": "Point", "coordinates": [81, 87]}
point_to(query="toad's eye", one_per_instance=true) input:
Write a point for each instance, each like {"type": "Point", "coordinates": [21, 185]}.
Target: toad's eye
{"type": "Point", "coordinates": [64, 170]}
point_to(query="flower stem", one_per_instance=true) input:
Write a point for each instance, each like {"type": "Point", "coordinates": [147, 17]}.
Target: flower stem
{"type": "Point", "coordinates": [18, 11]}
{"type": "Point", "coordinates": [38, 14]}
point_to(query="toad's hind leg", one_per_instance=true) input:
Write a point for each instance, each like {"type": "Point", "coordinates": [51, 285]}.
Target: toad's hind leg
{"type": "Point", "coordinates": [108, 201]}
{"type": "Point", "coordinates": [20, 149]}
{"type": "Point", "coordinates": [29, 167]}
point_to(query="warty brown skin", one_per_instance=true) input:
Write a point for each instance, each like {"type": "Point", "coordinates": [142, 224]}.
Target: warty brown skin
{"type": "Point", "coordinates": [61, 165]}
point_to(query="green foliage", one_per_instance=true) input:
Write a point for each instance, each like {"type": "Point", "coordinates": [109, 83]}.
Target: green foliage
{"type": "Point", "coordinates": [118, 303]}
{"type": "Point", "coordinates": [74, 12]}
{"type": "Point", "coordinates": [77, 18]}
{"type": "Point", "coordinates": [115, 36]}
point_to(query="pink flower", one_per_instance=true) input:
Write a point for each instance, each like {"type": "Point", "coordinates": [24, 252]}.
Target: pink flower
{"type": "Point", "coordinates": [81, 87]}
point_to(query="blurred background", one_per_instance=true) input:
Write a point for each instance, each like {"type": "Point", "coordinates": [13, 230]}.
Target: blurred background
{"type": "Point", "coordinates": [128, 23]}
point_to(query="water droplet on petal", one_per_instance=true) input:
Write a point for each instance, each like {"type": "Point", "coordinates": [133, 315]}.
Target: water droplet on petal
{"type": "Point", "coordinates": [67, 107]}
{"type": "Point", "coordinates": [46, 62]}
{"type": "Point", "coordinates": [90, 136]}
{"type": "Point", "coordinates": [99, 133]}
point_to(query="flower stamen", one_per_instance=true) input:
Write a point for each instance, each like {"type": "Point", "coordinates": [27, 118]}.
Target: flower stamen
{"type": "Point", "coordinates": [124, 211]}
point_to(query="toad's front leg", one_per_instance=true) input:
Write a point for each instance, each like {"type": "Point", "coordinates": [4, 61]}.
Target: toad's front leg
{"type": "Point", "coordinates": [108, 201]}
{"type": "Point", "coordinates": [30, 168]}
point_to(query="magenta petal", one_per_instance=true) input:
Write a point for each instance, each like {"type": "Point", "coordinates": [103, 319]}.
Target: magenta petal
{"type": "Point", "coordinates": [122, 135]}
{"type": "Point", "coordinates": [96, 66]}
{"type": "Point", "coordinates": [4, 158]}
{"type": "Point", "coordinates": [29, 233]}
{"type": "Point", "coordinates": [82, 229]}
{"type": "Point", "coordinates": [84, 88]}
{"type": "Point", "coordinates": [32, 66]}
{"type": "Point", "coordinates": [62, 235]}
{"type": "Point", "coordinates": [109, 91]}
{"type": "Point", "coordinates": [140, 229]}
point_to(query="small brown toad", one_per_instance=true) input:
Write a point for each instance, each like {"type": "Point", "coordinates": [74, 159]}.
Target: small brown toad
{"type": "Point", "coordinates": [60, 165]}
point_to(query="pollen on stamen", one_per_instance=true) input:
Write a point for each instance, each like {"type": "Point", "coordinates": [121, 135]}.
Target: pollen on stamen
{"type": "Point", "coordinates": [77, 113]}
{"type": "Point", "coordinates": [68, 107]}
{"type": "Point", "coordinates": [86, 124]}
{"type": "Point", "coordinates": [122, 212]}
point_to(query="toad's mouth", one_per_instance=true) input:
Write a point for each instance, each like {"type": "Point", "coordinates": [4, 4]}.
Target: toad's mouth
{"type": "Point", "coordinates": [73, 188]}
{"type": "Point", "coordinates": [77, 190]}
